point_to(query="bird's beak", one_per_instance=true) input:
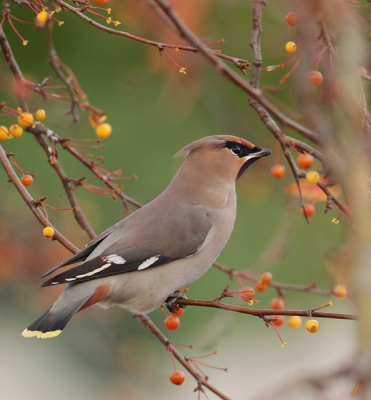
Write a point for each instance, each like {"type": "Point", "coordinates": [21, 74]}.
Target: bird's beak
{"type": "Point", "coordinates": [261, 153]}
{"type": "Point", "coordinates": [252, 157]}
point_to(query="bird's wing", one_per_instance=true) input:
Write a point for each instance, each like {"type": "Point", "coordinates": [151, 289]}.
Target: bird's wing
{"type": "Point", "coordinates": [139, 247]}
{"type": "Point", "coordinates": [87, 250]}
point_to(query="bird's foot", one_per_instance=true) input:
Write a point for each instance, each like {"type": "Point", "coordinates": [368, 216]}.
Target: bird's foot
{"type": "Point", "coordinates": [170, 301]}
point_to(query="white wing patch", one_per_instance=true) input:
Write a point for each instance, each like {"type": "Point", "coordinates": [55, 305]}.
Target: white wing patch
{"type": "Point", "coordinates": [95, 271]}
{"type": "Point", "coordinates": [109, 260]}
{"type": "Point", "coordinates": [148, 262]}
{"type": "Point", "coordinates": [115, 259]}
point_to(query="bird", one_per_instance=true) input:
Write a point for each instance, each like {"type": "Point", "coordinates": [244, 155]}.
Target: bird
{"type": "Point", "coordinates": [141, 261]}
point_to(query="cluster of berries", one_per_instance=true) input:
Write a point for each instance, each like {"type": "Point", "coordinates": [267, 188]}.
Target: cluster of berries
{"type": "Point", "coordinates": [314, 78]}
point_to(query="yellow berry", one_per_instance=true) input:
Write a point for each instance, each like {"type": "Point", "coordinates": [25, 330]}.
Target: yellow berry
{"type": "Point", "coordinates": [4, 133]}
{"type": "Point", "coordinates": [42, 17]}
{"type": "Point", "coordinates": [290, 47]}
{"type": "Point", "coordinates": [340, 291]}
{"type": "Point", "coordinates": [25, 119]}
{"type": "Point", "coordinates": [312, 177]}
{"type": "Point", "coordinates": [48, 231]}
{"type": "Point", "coordinates": [16, 131]}
{"type": "Point", "coordinates": [312, 326]}
{"type": "Point", "coordinates": [295, 322]}
{"type": "Point", "coordinates": [40, 114]}
{"type": "Point", "coordinates": [103, 130]}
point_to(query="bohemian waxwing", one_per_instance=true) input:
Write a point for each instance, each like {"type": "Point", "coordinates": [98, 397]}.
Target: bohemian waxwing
{"type": "Point", "coordinates": [142, 260]}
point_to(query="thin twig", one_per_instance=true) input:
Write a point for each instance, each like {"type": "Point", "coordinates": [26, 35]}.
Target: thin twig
{"type": "Point", "coordinates": [31, 202]}
{"type": "Point", "coordinates": [200, 379]}
{"type": "Point", "coordinates": [262, 312]}
{"type": "Point", "coordinates": [238, 62]}
{"type": "Point", "coordinates": [223, 69]}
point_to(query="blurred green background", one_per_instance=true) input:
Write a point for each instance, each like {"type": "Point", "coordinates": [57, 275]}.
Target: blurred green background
{"type": "Point", "coordinates": [155, 111]}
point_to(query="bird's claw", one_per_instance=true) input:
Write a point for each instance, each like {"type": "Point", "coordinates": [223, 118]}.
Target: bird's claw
{"type": "Point", "coordinates": [170, 301]}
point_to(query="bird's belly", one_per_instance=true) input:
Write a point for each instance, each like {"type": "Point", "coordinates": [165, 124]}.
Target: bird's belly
{"type": "Point", "coordinates": [143, 291]}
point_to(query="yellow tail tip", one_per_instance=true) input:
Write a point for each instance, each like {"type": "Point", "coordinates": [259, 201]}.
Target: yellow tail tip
{"type": "Point", "coordinates": [40, 335]}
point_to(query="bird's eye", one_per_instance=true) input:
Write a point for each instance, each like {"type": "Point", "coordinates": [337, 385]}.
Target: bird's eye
{"type": "Point", "coordinates": [236, 149]}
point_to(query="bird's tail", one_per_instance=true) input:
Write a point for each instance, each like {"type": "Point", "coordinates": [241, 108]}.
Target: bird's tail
{"type": "Point", "coordinates": [52, 322]}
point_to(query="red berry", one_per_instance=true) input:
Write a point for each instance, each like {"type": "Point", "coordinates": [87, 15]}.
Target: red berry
{"type": "Point", "coordinates": [305, 161]}
{"type": "Point", "coordinates": [260, 286]}
{"type": "Point", "coordinates": [27, 180]}
{"type": "Point", "coordinates": [292, 19]}
{"type": "Point", "coordinates": [172, 322]}
{"type": "Point", "coordinates": [278, 171]}
{"type": "Point", "coordinates": [309, 209]}
{"type": "Point", "coordinates": [279, 320]}
{"type": "Point", "coordinates": [179, 312]}
{"type": "Point", "coordinates": [314, 78]}
{"type": "Point", "coordinates": [277, 303]}
{"type": "Point", "coordinates": [266, 278]}
{"type": "Point", "coordinates": [247, 291]}
{"type": "Point", "coordinates": [177, 378]}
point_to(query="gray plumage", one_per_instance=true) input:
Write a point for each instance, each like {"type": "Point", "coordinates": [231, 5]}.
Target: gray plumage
{"type": "Point", "coordinates": [167, 244]}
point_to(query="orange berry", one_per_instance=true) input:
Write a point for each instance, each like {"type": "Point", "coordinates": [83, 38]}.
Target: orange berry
{"type": "Point", "coordinates": [314, 78]}
{"type": "Point", "coordinates": [309, 209]}
{"type": "Point", "coordinates": [266, 278]}
{"type": "Point", "coordinates": [295, 322]}
{"type": "Point", "coordinates": [278, 171]}
{"type": "Point", "coordinates": [172, 322]}
{"type": "Point", "coordinates": [48, 231]}
{"type": "Point", "coordinates": [42, 17]}
{"type": "Point", "coordinates": [4, 133]}
{"type": "Point", "coordinates": [247, 291]}
{"type": "Point", "coordinates": [103, 130]}
{"type": "Point", "coordinates": [40, 114]}
{"type": "Point", "coordinates": [179, 312]}
{"type": "Point", "coordinates": [291, 47]}
{"type": "Point", "coordinates": [313, 177]}
{"type": "Point", "coordinates": [16, 131]}
{"type": "Point", "coordinates": [279, 320]}
{"type": "Point", "coordinates": [292, 19]}
{"type": "Point", "coordinates": [305, 161]}
{"type": "Point", "coordinates": [260, 286]}
{"type": "Point", "coordinates": [27, 180]}
{"type": "Point", "coordinates": [312, 326]}
{"type": "Point", "coordinates": [177, 378]}
{"type": "Point", "coordinates": [25, 119]}
{"type": "Point", "coordinates": [339, 291]}
{"type": "Point", "coordinates": [277, 303]}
